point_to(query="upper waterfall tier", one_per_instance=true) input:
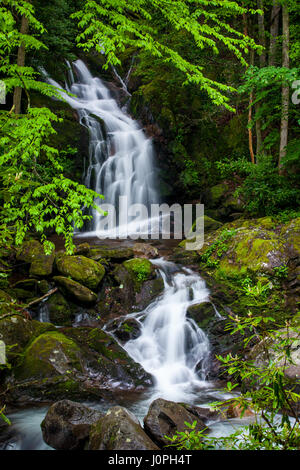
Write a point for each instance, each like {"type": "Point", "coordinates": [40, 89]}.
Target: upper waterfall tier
{"type": "Point", "coordinates": [120, 156]}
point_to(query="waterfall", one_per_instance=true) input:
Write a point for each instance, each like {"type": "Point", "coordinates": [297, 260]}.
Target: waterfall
{"type": "Point", "coordinates": [120, 156]}
{"type": "Point", "coordinates": [171, 346]}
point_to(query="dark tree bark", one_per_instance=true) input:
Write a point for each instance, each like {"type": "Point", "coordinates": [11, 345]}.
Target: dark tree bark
{"type": "Point", "coordinates": [20, 62]}
{"type": "Point", "coordinates": [285, 87]}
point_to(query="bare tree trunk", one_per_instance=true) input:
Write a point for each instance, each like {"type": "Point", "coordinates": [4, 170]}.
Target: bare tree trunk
{"type": "Point", "coordinates": [285, 87]}
{"type": "Point", "coordinates": [20, 62]}
{"type": "Point", "coordinates": [250, 134]}
{"type": "Point", "coordinates": [274, 31]}
{"type": "Point", "coordinates": [262, 63]}
{"type": "Point", "coordinates": [262, 33]}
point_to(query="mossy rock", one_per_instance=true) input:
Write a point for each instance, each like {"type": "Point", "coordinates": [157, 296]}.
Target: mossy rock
{"type": "Point", "coordinates": [60, 312]}
{"type": "Point", "coordinates": [106, 252]}
{"type": "Point", "coordinates": [41, 265]}
{"type": "Point", "coordinates": [17, 332]}
{"type": "Point", "coordinates": [202, 313]}
{"type": "Point", "coordinates": [50, 354]}
{"type": "Point", "coordinates": [255, 247]}
{"type": "Point", "coordinates": [81, 269]}
{"type": "Point", "coordinates": [75, 291]}
{"type": "Point", "coordinates": [140, 270]}
{"type": "Point", "coordinates": [108, 359]}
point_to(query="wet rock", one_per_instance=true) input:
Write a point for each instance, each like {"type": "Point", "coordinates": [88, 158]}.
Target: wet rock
{"type": "Point", "coordinates": [125, 330]}
{"type": "Point", "coordinates": [202, 314]}
{"type": "Point", "coordinates": [41, 265]}
{"type": "Point", "coordinates": [164, 418]}
{"type": "Point", "coordinates": [235, 411]}
{"type": "Point", "coordinates": [16, 332]}
{"type": "Point", "coordinates": [108, 363]}
{"type": "Point", "coordinates": [75, 290]}
{"type": "Point", "coordinates": [81, 269]}
{"type": "Point", "coordinates": [59, 310]}
{"type": "Point", "coordinates": [134, 291]}
{"type": "Point", "coordinates": [204, 414]}
{"type": "Point", "coordinates": [145, 250]}
{"type": "Point", "coordinates": [67, 425]}
{"type": "Point", "coordinates": [115, 254]}
{"type": "Point", "coordinates": [49, 355]}
{"type": "Point", "coordinates": [119, 430]}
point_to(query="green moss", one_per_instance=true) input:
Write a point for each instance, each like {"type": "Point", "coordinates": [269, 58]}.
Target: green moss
{"type": "Point", "coordinates": [81, 269]}
{"type": "Point", "coordinates": [48, 355]}
{"type": "Point", "coordinates": [140, 269]}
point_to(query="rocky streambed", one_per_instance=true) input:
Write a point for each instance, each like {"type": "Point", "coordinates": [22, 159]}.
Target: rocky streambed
{"type": "Point", "coordinates": [88, 328]}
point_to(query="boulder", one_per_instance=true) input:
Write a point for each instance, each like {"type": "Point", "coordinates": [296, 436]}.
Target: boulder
{"type": "Point", "coordinates": [254, 248]}
{"type": "Point", "coordinates": [133, 286]}
{"type": "Point", "coordinates": [50, 354]}
{"type": "Point", "coordinates": [59, 310]}
{"type": "Point", "coordinates": [202, 313]}
{"type": "Point", "coordinates": [41, 265]}
{"type": "Point", "coordinates": [75, 290]}
{"type": "Point", "coordinates": [17, 331]}
{"type": "Point", "coordinates": [67, 425]}
{"type": "Point", "coordinates": [125, 330]}
{"type": "Point", "coordinates": [145, 250]}
{"type": "Point", "coordinates": [119, 429]}
{"type": "Point", "coordinates": [108, 363]}
{"type": "Point", "coordinates": [115, 254]}
{"type": "Point", "coordinates": [81, 269]}
{"type": "Point", "coordinates": [165, 417]}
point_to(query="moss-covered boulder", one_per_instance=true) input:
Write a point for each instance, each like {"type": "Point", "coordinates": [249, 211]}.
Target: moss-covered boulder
{"type": "Point", "coordinates": [59, 310]}
{"type": "Point", "coordinates": [81, 269]}
{"type": "Point", "coordinates": [202, 313]}
{"type": "Point", "coordinates": [109, 363]}
{"type": "Point", "coordinates": [133, 285]}
{"type": "Point", "coordinates": [140, 270]}
{"type": "Point", "coordinates": [119, 429]}
{"type": "Point", "coordinates": [17, 332]}
{"type": "Point", "coordinates": [41, 265]}
{"type": "Point", "coordinates": [117, 254]}
{"type": "Point", "coordinates": [75, 291]}
{"type": "Point", "coordinates": [49, 355]}
{"type": "Point", "coordinates": [247, 246]}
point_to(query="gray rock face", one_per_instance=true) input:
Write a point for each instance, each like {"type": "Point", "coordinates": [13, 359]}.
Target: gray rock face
{"type": "Point", "coordinates": [165, 417]}
{"type": "Point", "coordinates": [67, 425]}
{"type": "Point", "coordinates": [119, 430]}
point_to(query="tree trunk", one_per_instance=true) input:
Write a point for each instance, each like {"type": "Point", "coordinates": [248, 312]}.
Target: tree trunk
{"type": "Point", "coordinates": [20, 62]}
{"type": "Point", "coordinates": [285, 87]}
{"type": "Point", "coordinates": [274, 31]}
{"type": "Point", "coordinates": [262, 63]}
{"type": "Point", "coordinates": [262, 33]}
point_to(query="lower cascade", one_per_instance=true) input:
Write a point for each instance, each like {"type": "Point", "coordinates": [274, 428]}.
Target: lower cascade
{"type": "Point", "coordinates": [171, 346]}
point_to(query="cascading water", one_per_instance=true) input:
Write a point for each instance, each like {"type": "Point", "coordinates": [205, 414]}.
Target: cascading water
{"type": "Point", "coordinates": [120, 159]}
{"type": "Point", "coordinates": [171, 346]}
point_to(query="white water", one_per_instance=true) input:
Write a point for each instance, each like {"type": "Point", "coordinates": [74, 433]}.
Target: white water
{"type": "Point", "coordinates": [120, 157]}
{"type": "Point", "coordinates": [171, 346]}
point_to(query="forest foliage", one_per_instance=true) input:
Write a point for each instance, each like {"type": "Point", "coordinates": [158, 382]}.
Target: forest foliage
{"type": "Point", "coordinates": [174, 43]}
